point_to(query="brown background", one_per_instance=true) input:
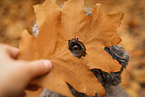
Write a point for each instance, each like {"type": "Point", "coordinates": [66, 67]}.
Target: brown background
{"type": "Point", "coordinates": [17, 15]}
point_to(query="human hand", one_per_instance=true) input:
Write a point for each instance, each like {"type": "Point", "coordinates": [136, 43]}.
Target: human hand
{"type": "Point", "coordinates": [16, 75]}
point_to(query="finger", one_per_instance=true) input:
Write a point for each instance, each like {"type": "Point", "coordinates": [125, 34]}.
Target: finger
{"type": "Point", "coordinates": [22, 94]}
{"type": "Point", "coordinates": [12, 51]}
{"type": "Point", "coordinates": [32, 87]}
{"type": "Point", "coordinates": [37, 68]}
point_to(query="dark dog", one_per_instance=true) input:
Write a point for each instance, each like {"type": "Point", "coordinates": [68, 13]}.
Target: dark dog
{"type": "Point", "coordinates": [113, 79]}
{"type": "Point", "coordinates": [107, 80]}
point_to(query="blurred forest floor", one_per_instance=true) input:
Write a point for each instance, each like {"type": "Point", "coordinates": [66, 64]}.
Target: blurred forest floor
{"type": "Point", "coordinates": [17, 15]}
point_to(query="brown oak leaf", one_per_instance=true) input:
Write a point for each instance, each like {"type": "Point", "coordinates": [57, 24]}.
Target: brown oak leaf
{"type": "Point", "coordinates": [56, 27]}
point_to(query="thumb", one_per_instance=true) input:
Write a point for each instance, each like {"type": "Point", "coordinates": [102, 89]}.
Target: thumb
{"type": "Point", "coordinates": [37, 68]}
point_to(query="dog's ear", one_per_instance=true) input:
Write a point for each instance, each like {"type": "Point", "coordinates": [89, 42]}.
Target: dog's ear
{"type": "Point", "coordinates": [114, 78]}
{"type": "Point", "coordinates": [118, 53]}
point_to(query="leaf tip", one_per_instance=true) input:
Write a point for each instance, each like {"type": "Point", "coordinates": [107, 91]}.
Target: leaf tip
{"type": "Point", "coordinates": [25, 33]}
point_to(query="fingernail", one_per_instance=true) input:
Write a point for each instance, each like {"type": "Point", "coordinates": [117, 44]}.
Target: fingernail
{"type": "Point", "coordinates": [47, 64]}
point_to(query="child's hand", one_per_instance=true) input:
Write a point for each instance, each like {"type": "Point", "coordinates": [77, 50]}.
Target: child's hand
{"type": "Point", "coordinates": [16, 75]}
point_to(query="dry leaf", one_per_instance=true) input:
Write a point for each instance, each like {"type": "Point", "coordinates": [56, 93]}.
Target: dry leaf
{"type": "Point", "coordinates": [56, 28]}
